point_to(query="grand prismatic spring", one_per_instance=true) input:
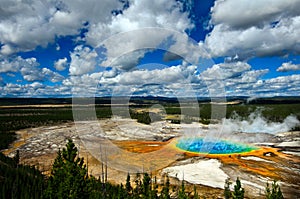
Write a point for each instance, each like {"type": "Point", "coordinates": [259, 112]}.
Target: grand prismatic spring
{"type": "Point", "coordinates": [201, 145]}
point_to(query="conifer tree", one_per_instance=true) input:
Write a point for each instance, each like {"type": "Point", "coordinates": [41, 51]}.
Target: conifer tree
{"type": "Point", "coordinates": [128, 184]}
{"type": "Point", "coordinates": [227, 192]}
{"type": "Point", "coordinates": [238, 192]}
{"type": "Point", "coordinates": [68, 176]}
{"type": "Point", "coordinates": [19, 181]}
{"type": "Point", "coordinates": [196, 195]}
{"type": "Point", "coordinates": [146, 188]}
{"type": "Point", "coordinates": [165, 191]}
{"type": "Point", "coordinates": [16, 158]}
{"type": "Point", "coordinates": [137, 189]}
{"type": "Point", "coordinates": [154, 190]}
{"type": "Point", "coordinates": [275, 193]}
{"type": "Point", "coordinates": [182, 194]}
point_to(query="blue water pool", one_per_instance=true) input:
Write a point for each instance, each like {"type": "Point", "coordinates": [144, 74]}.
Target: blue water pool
{"type": "Point", "coordinates": [200, 145]}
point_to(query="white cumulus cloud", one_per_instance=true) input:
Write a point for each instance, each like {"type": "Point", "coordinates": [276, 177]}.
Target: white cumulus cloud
{"type": "Point", "coordinates": [141, 14]}
{"type": "Point", "coordinates": [83, 60]}
{"type": "Point", "coordinates": [225, 70]}
{"type": "Point", "coordinates": [24, 25]}
{"type": "Point", "coordinates": [245, 29]}
{"type": "Point", "coordinates": [52, 76]}
{"type": "Point", "coordinates": [14, 65]}
{"type": "Point", "coordinates": [288, 66]}
{"type": "Point", "coordinates": [250, 13]}
{"type": "Point", "coordinates": [61, 64]}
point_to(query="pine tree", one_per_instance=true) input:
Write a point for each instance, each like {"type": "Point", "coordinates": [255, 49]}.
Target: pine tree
{"type": "Point", "coordinates": [165, 191]}
{"type": "Point", "coordinates": [68, 176]}
{"type": "Point", "coordinates": [227, 192]}
{"type": "Point", "coordinates": [19, 181]}
{"type": "Point", "coordinates": [137, 189]}
{"type": "Point", "coordinates": [196, 196]}
{"type": "Point", "coordinates": [154, 190]}
{"type": "Point", "coordinates": [128, 185]}
{"type": "Point", "coordinates": [182, 194]}
{"type": "Point", "coordinates": [146, 186]}
{"type": "Point", "coordinates": [238, 192]}
{"type": "Point", "coordinates": [275, 193]}
{"type": "Point", "coordinates": [16, 159]}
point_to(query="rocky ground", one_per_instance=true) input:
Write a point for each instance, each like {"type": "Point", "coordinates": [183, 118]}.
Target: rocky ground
{"type": "Point", "coordinates": [127, 146]}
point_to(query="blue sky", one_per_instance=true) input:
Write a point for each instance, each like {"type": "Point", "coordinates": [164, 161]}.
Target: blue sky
{"type": "Point", "coordinates": [140, 47]}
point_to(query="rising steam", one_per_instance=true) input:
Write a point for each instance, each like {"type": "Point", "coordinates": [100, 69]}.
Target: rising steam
{"type": "Point", "coordinates": [256, 123]}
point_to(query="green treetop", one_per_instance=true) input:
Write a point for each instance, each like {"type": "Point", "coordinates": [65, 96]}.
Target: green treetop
{"type": "Point", "coordinates": [68, 176]}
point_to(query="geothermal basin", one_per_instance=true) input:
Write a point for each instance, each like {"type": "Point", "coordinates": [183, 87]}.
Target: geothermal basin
{"type": "Point", "coordinates": [175, 150]}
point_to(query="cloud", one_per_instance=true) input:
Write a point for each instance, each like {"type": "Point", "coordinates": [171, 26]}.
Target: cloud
{"type": "Point", "coordinates": [86, 80]}
{"type": "Point", "coordinates": [279, 86]}
{"type": "Point", "coordinates": [57, 47]}
{"type": "Point", "coordinates": [246, 30]}
{"type": "Point", "coordinates": [31, 73]}
{"type": "Point", "coordinates": [14, 65]}
{"type": "Point", "coordinates": [164, 81]}
{"type": "Point", "coordinates": [29, 69]}
{"type": "Point", "coordinates": [288, 66]}
{"type": "Point", "coordinates": [125, 50]}
{"type": "Point", "coordinates": [13, 89]}
{"type": "Point", "coordinates": [252, 76]}
{"type": "Point", "coordinates": [169, 81]}
{"type": "Point", "coordinates": [175, 81]}
{"type": "Point", "coordinates": [245, 83]}
{"type": "Point", "coordinates": [110, 73]}
{"type": "Point", "coordinates": [168, 56]}
{"type": "Point", "coordinates": [249, 14]}
{"type": "Point", "coordinates": [246, 80]}
{"type": "Point", "coordinates": [1, 82]}
{"type": "Point", "coordinates": [225, 71]}
{"type": "Point", "coordinates": [141, 14]}
{"type": "Point", "coordinates": [52, 76]}
{"type": "Point", "coordinates": [28, 24]}
{"type": "Point", "coordinates": [36, 89]}
{"type": "Point", "coordinates": [24, 25]}
{"type": "Point", "coordinates": [165, 76]}
{"type": "Point", "coordinates": [127, 61]}
{"type": "Point", "coordinates": [284, 79]}
{"type": "Point", "coordinates": [189, 49]}
{"type": "Point", "coordinates": [237, 78]}
{"type": "Point", "coordinates": [182, 80]}
{"type": "Point", "coordinates": [61, 64]}
{"type": "Point", "coordinates": [6, 49]}
{"type": "Point", "coordinates": [239, 30]}
{"type": "Point", "coordinates": [83, 60]}
{"type": "Point", "coordinates": [131, 32]}
{"type": "Point", "coordinates": [37, 85]}
{"type": "Point", "coordinates": [6, 66]}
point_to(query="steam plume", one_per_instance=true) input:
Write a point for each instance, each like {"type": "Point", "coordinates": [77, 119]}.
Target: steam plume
{"type": "Point", "coordinates": [256, 123]}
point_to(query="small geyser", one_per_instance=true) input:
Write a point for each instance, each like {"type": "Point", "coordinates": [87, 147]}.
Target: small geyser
{"type": "Point", "coordinates": [200, 145]}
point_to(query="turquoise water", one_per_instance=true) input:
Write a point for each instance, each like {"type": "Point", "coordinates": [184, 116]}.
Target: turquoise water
{"type": "Point", "coordinates": [199, 145]}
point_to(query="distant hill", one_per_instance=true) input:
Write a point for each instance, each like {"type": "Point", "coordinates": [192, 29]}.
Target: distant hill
{"type": "Point", "coordinates": [276, 100]}
{"type": "Point", "coordinates": [147, 100]}
{"type": "Point", "coordinates": [34, 101]}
